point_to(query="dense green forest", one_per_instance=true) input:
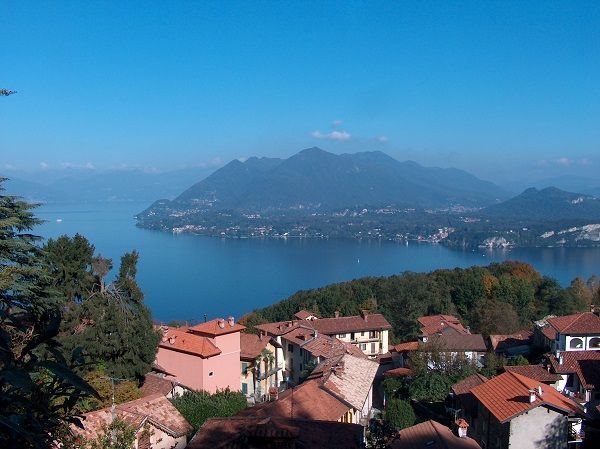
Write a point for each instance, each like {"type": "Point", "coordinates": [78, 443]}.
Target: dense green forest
{"type": "Point", "coordinates": [498, 298]}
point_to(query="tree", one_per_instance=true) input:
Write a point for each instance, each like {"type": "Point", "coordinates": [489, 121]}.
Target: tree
{"type": "Point", "coordinates": [114, 327]}
{"type": "Point", "coordinates": [123, 390]}
{"type": "Point", "coordinates": [495, 317]}
{"type": "Point", "coordinates": [6, 92]}
{"type": "Point", "coordinates": [70, 261]}
{"type": "Point", "coordinates": [399, 413]}
{"type": "Point", "coordinates": [430, 386]}
{"type": "Point", "coordinates": [380, 434]}
{"type": "Point", "coordinates": [37, 388]}
{"type": "Point", "coordinates": [116, 435]}
{"type": "Point", "coordinates": [198, 406]}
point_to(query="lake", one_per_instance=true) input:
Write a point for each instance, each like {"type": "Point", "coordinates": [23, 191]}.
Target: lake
{"type": "Point", "coordinates": [187, 276]}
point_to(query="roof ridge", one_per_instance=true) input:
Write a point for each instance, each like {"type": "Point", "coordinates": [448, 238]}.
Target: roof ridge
{"type": "Point", "coordinates": [440, 437]}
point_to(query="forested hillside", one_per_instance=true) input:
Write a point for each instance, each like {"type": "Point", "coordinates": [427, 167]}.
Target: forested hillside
{"type": "Point", "coordinates": [499, 298]}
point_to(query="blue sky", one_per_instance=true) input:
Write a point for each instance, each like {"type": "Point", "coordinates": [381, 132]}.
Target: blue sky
{"type": "Point", "coordinates": [503, 89]}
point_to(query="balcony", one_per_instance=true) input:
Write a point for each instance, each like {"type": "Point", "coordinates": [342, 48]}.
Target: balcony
{"type": "Point", "coordinates": [265, 375]}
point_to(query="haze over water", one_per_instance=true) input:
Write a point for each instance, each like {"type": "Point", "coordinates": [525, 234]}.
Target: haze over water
{"type": "Point", "coordinates": [187, 276]}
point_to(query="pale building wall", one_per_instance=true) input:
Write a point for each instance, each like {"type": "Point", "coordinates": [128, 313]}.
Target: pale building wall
{"type": "Point", "coordinates": [538, 428]}
{"type": "Point", "coordinates": [186, 368]}
{"type": "Point", "coordinates": [224, 367]}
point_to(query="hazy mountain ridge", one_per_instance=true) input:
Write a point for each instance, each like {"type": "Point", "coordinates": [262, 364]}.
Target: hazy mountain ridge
{"type": "Point", "coordinates": [316, 179]}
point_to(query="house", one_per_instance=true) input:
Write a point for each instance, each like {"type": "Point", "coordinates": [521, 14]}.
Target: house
{"type": "Point", "coordinates": [580, 373]}
{"type": "Point", "coordinates": [339, 389]}
{"type": "Point", "coordinates": [276, 433]}
{"type": "Point", "coordinates": [578, 332]}
{"type": "Point", "coordinates": [261, 363]}
{"type": "Point", "coordinates": [401, 352]}
{"type": "Point", "coordinates": [432, 434]}
{"type": "Point", "coordinates": [155, 383]}
{"type": "Point", "coordinates": [434, 324]}
{"type": "Point", "coordinates": [515, 411]}
{"type": "Point", "coordinates": [451, 344]}
{"type": "Point", "coordinates": [203, 357]}
{"type": "Point", "coordinates": [518, 343]}
{"type": "Point", "coordinates": [306, 315]}
{"type": "Point", "coordinates": [460, 402]}
{"type": "Point", "coordinates": [158, 424]}
{"type": "Point", "coordinates": [369, 332]}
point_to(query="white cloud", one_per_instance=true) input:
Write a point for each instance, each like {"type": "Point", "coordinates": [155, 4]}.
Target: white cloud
{"type": "Point", "coordinates": [382, 139]}
{"type": "Point", "coordinates": [563, 161]}
{"type": "Point", "coordinates": [336, 123]}
{"type": "Point", "coordinates": [9, 167]}
{"type": "Point", "coordinates": [333, 135]}
{"type": "Point", "coordinates": [584, 161]}
{"type": "Point", "coordinates": [44, 165]}
{"type": "Point", "coordinates": [86, 166]}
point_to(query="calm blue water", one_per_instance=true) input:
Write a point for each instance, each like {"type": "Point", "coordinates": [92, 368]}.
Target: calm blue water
{"type": "Point", "coordinates": [186, 276]}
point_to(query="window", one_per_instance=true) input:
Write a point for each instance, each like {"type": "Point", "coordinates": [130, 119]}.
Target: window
{"type": "Point", "coordinates": [290, 347]}
{"type": "Point", "coordinates": [301, 351]}
{"type": "Point", "coordinates": [373, 334]}
{"type": "Point", "coordinates": [341, 335]}
{"type": "Point", "coordinates": [595, 343]}
{"type": "Point", "coordinates": [363, 346]}
{"type": "Point", "coordinates": [352, 336]}
{"type": "Point", "coordinates": [245, 368]}
{"type": "Point", "coordinates": [373, 349]}
{"type": "Point", "coordinates": [211, 373]}
{"type": "Point", "coordinates": [362, 334]}
{"type": "Point", "coordinates": [576, 343]}
{"type": "Point", "coordinates": [244, 388]}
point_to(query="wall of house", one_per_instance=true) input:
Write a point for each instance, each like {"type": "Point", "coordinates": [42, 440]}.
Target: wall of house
{"type": "Point", "coordinates": [578, 342]}
{"type": "Point", "coordinates": [187, 368]}
{"type": "Point", "coordinates": [162, 440]}
{"type": "Point", "coordinates": [538, 428]}
{"type": "Point", "coordinates": [487, 430]}
{"type": "Point", "coordinates": [366, 338]}
{"type": "Point", "coordinates": [366, 410]}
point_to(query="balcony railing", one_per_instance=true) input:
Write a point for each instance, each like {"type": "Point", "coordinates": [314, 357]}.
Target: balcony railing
{"type": "Point", "coordinates": [265, 375]}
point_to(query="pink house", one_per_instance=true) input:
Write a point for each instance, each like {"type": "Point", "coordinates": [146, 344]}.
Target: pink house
{"type": "Point", "coordinates": [203, 357]}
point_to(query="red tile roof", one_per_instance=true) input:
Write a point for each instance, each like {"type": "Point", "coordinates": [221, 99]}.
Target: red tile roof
{"type": "Point", "coordinates": [537, 372]}
{"type": "Point", "coordinates": [156, 409]}
{"type": "Point", "coordinates": [451, 340]}
{"type": "Point", "coordinates": [308, 401]}
{"type": "Point", "coordinates": [504, 342]}
{"type": "Point", "coordinates": [347, 324]}
{"type": "Point", "coordinates": [304, 314]}
{"type": "Point", "coordinates": [156, 384]}
{"type": "Point", "coordinates": [432, 324]}
{"type": "Point", "coordinates": [276, 432]}
{"type": "Point", "coordinates": [216, 327]}
{"type": "Point", "coordinates": [408, 346]}
{"type": "Point", "coordinates": [549, 332]}
{"type": "Point", "coordinates": [280, 327]}
{"type": "Point", "coordinates": [507, 396]}
{"type": "Point", "coordinates": [398, 372]}
{"type": "Point", "coordinates": [586, 364]}
{"type": "Point", "coordinates": [251, 345]}
{"type": "Point", "coordinates": [465, 385]}
{"type": "Point", "coordinates": [432, 434]}
{"type": "Point", "coordinates": [577, 324]}
{"type": "Point", "coordinates": [320, 345]}
{"type": "Point", "coordinates": [181, 341]}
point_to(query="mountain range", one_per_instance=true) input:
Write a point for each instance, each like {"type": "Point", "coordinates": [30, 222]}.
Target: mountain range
{"type": "Point", "coordinates": [314, 179]}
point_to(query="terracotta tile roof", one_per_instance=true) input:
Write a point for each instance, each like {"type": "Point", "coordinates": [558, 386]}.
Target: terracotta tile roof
{"type": "Point", "coordinates": [398, 372]}
{"type": "Point", "coordinates": [320, 345]}
{"type": "Point", "coordinates": [465, 385]}
{"type": "Point", "coordinates": [309, 400]}
{"type": "Point", "coordinates": [504, 342]}
{"type": "Point", "coordinates": [548, 331]}
{"type": "Point", "coordinates": [451, 340]}
{"type": "Point", "coordinates": [507, 396]}
{"type": "Point", "coordinates": [432, 434]}
{"type": "Point", "coordinates": [346, 324]}
{"type": "Point", "coordinates": [177, 340]}
{"type": "Point", "coordinates": [279, 327]}
{"type": "Point", "coordinates": [537, 372]}
{"type": "Point", "coordinates": [156, 384]}
{"type": "Point", "coordinates": [408, 346]}
{"type": "Point", "coordinates": [156, 409]}
{"type": "Point", "coordinates": [586, 364]}
{"type": "Point", "coordinates": [579, 323]}
{"type": "Point", "coordinates": [216, 327]}
{"type": "Point", "coordinates": [432, 324]}
{"type": "Point", "coordinates": [276, 432]}
{"type": "Point", "coordinates": [347, 377]}
{"type": "Point", "coordinates": [251, 345]}
{"type": "Point", "coordinates": [304, 314]}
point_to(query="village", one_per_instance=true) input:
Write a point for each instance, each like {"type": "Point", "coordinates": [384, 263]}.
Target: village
{"type": "Point", "coordinates": [324, 383]}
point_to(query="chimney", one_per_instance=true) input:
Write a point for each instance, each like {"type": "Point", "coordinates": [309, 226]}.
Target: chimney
{"type": "Point", "coordinates": [539, 391]}
{"type": "Point", "coordinates": [560, 359]}
{"type": "Point", "coordinates": [337, 313]}
{"type": "Point", "coordinates": [172, 339]}
{"type": "Point", "coordinates": [230, 321]}
{"type": "Point", "coordinates": [221, 323]}
{"type": "Point", "coordinates": [462, 427]}
{"type": "Point", "coordinates": [532, 395]}
{"type": "Point", "coordinates": [364, 313]}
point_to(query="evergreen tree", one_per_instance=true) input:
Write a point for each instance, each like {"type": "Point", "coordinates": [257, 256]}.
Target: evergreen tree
{"type": "Point", "coordinates": [37, 389]}
{"type": "Point", "coordinates": [70, 261]}
{"type": "Point", "coordinates": [113, 327]}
